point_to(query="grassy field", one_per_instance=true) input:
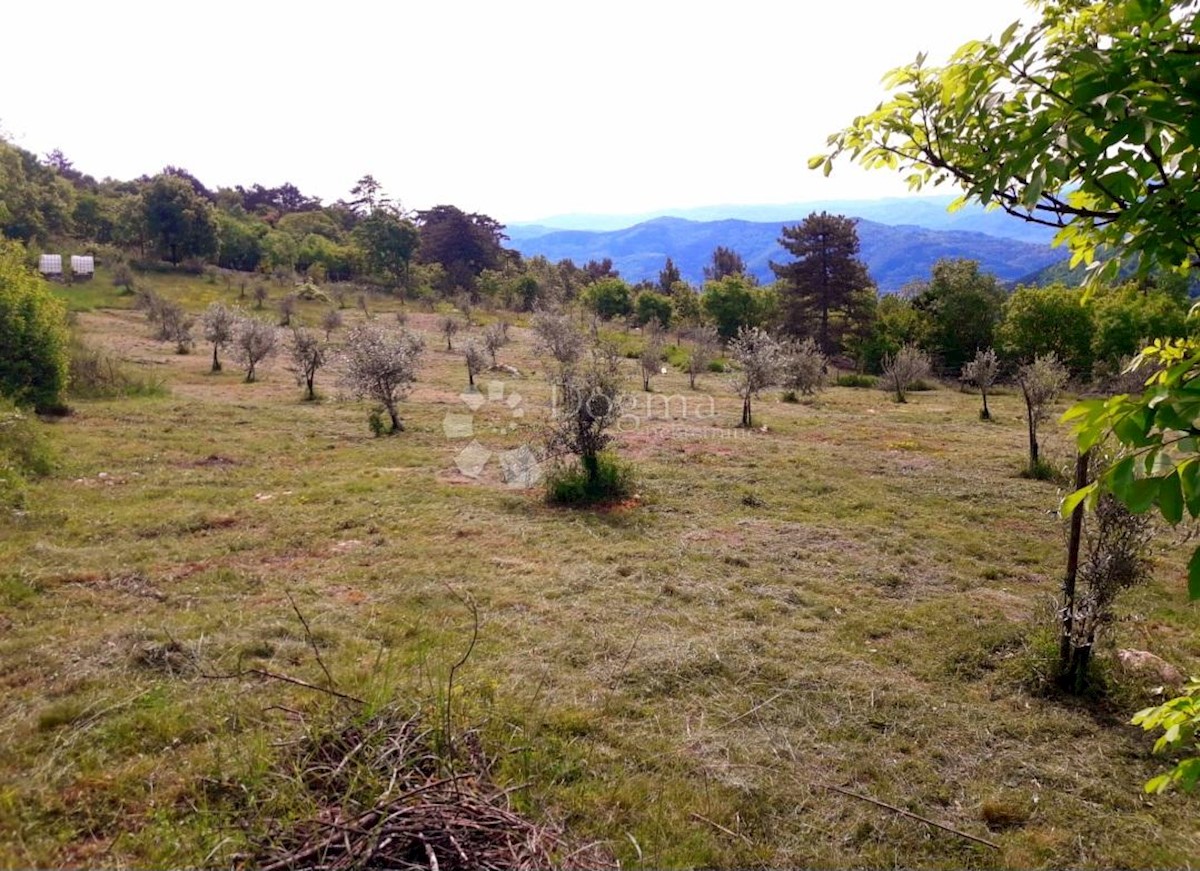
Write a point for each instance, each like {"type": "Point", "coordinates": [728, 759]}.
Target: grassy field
{"type": "Point", "coordinates": [854, 595]}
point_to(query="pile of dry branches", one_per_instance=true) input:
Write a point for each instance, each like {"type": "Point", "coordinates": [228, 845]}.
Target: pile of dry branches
{"type": "Point", "coordinates": [393, 795]}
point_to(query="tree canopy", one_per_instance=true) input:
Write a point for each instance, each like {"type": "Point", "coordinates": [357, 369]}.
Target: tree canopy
{"type": "Point", "coordinates": [179, 219]}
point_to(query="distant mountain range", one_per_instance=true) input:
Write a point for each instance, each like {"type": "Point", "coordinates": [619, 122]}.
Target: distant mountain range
{"type": "Point", "coordinates": [930, 212]}
{"type": "Point", "coordinates": [894, 254]}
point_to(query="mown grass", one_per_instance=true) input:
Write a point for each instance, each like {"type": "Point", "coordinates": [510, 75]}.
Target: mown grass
{"type": "Point", "coordinates": [853, 597]}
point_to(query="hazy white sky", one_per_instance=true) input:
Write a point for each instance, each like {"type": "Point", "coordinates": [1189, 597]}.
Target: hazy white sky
{"type": "Point", "coordinates": [517, 109]}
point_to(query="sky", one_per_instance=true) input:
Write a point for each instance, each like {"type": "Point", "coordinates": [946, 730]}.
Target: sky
{"type": "Point", "coordinates": [517, 109]}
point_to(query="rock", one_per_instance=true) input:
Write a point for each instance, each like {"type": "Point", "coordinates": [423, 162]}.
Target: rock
{"type": "Point", "coordinates": [1144, 664]}
{"type": "Point", "coordinates": [511, 370]}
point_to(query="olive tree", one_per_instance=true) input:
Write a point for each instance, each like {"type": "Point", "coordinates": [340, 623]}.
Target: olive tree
{"type": "Point", "coordinates": [450, 326]}
{"type": "Point", "coordinates": [495, 337]}
{"type": "Point", "coordinates": [983, 372]}
{"type": "Point", "coordinates": [309, 356]}
{"type": "Point", "coordinates": [650, 360]}
{"type": "Point", "coordinates": [904, 368]}
{"type": "Point", "coordinates": [382, 366]}
{"type": "Point", "coordinates": [476, 360]}
{"type": "Point", "coordinates": [253, 342]}
{"type": "Point", "coordinates": [805, 367]}
{"type": "Point", "coordinates": [218, 323]}
{"type": "Point", "coordinates": [556, 337]}
{"type": "Point", "coordinates": [586, 410]}
{"type": "Point", "coordinates": [705, 344]}
{"type": "Point", "coordinates": [1041, 382]}
{"type": "Point", "coordinates": [760, 359]}
{"type": "Point", "coordinates": [331, 321]}
{"type": "Point", "coordinates": [287, 310]}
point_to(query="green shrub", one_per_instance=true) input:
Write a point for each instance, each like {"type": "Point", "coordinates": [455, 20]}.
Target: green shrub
{"type": "Point", "coordinates": [716, 366]}
{"type": "Point", "coordinates": [376, 423]}
{"type": "Point", "coordinates": [677, 356]}
{"type": "Point", "coordinates": [24, 453]}
{"type": "Point", "coordinates": [33, 335]}
{"type": "Point", "coordinates": [854, 379]}
{"type": "Point", "coordinates": [569, 484]}
{"type": "Point", "coordinates": [1043, 470]}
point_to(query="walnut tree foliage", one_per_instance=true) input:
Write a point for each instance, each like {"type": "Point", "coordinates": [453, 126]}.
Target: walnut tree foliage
{"type": "Point", "coordinates": [1085, 120]}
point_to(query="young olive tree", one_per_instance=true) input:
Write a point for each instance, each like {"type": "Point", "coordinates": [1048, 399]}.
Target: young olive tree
{"type": "Point", "coordinates": [556, 337]}
{"type": "Point", "coordinates": [177, 325]}
{"type": "Point", "coordinates": [450, 326]}
{"type": "Point", "coordinates": [382, 366]}
{"type": "Point", "coordinates": [287, 310]}
{"type": "Point", "coordinates": [309, 356]}
{"type": "Point", "coordinates": [495, 337]}
{"type": "Point", "coordinates": [588, 407]}
{"type": "Point", "coordinates": [907, 366]}
{"type": "Point", "coordinates": [476, 360]}
{"type": "Point", "coordinates": [805, 368]}
{"type": "Point", "coordinates": [260, 295]}
{"type": "Point", "coordinates": [218, 323]}
{"type": "Point", "coordinates": [650, 360]}
{"type": "Point", "coordinates": [1041, 383]}
{"type": "Point", "coordinates": [705, 344]}
{"type": "Point", "coordinates": [760, 359]}
{"type": "Point", "coordinates": [982, 372]}
{"type": "Point", "coordinates": [331, 321]}
{"type": "Point", "coordinates": [253, 342]}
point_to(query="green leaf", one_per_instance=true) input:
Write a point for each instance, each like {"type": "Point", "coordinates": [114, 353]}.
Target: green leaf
{"type": "Point", "coordinates": [1120, 478]}
{"type": "Point", "coordinates": [1189, 479]}
{"type": "Point", "coordinates": [1194, 575]}
{"type": "Point", "coordinates": [1170, 498]}
{"type": "Point", "coordinates": [1142, 495]}
{"type": "Point", "coordinates": [1132, 428]}
{"type": "Point", "coordinates": [1072, 500]}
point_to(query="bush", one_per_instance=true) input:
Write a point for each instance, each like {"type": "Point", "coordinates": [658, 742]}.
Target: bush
{"type": "Point", "coordinates": [1043, 470]}
{"type": "Point", "coordinates": [854, 379]}
{"type": "Point", "coordinates": [23, 453]}
{"type": "Point", "coordinates": [569, 483]}
{"type": "Point", "coordinates": [33, 335]}
{"type": "Point", "coordinates": [98, 374]}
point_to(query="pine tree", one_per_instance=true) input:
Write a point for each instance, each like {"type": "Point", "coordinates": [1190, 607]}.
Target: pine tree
{"type": "Point", "coordinates": [826, 288]}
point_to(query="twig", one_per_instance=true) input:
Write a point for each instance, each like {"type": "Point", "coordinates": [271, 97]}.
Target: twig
{"type": "Point", "coordinates": [312, 642]}
{"type": "Point", "coordinates": [910, 815]}
{"type": "Point", "coordinates": [262, 672]}
{"type": "Point", "coordinates": [433, 862]}
{"type": "Point", "coordinates": [469, 602]}
{"type": "Point", "coordinates": [757, 707]}
{"type": "Point", "coordinates": [719, 827]}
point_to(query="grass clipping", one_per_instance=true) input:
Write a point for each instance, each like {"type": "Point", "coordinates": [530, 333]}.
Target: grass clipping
{"type": "Point", "coordinates": [429, 814]}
